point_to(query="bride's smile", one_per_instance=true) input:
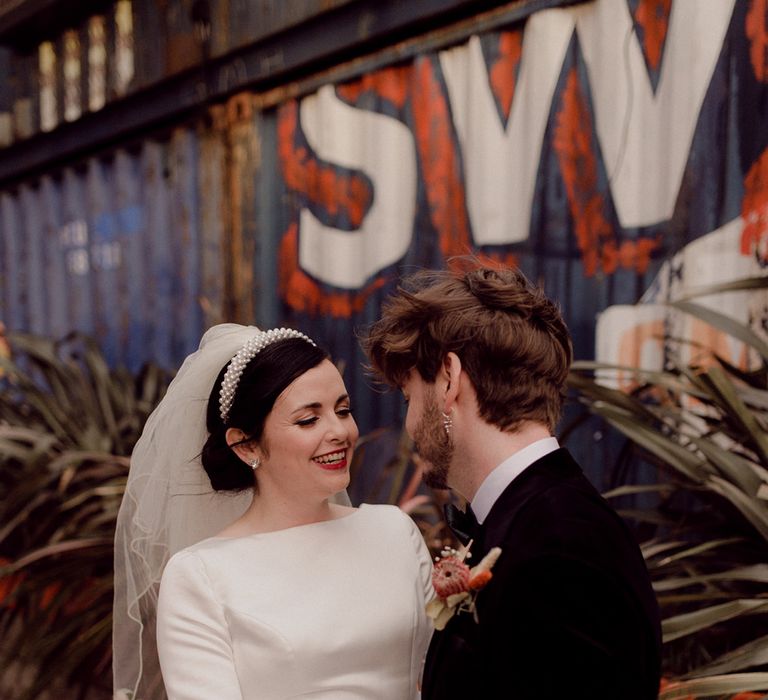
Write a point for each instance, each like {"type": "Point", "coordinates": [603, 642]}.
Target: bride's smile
{"type": "Point", "coordinates": [308, 437]}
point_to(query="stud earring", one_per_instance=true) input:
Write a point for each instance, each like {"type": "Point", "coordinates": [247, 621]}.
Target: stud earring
{"type": "Point", "coordinates": [254, 463]}
{"type": "Point", "coordinates": [447, 423]}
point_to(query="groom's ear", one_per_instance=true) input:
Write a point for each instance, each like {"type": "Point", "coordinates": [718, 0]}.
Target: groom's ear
{"type": "Point", "coordinates": [449, 374]}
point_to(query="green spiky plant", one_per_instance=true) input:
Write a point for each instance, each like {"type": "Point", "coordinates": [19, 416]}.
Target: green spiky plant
{"type": "Point", "coordinates": [67, 426]}
{"type": "Point", "coordinates": [705, 428]}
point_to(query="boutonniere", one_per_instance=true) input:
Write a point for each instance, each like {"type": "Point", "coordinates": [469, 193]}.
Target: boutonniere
{"type": "Point", "coordinates": [456, 585]}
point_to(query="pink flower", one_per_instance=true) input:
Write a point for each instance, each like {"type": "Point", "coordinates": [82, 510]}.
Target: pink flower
{"type": "Point", "coordinates": [456, 585]}
{"type": "Point", "coordinates": [450, 576]}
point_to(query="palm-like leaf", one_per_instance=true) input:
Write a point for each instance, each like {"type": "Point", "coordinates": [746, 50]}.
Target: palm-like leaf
{"type": "Point", "coordinates": [705, 428]}
{"type": "Point", "coordinates": [68, 424]}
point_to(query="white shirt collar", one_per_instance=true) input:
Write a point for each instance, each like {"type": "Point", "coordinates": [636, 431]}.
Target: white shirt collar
{"type": "Point", "coordinates": [503, 475]}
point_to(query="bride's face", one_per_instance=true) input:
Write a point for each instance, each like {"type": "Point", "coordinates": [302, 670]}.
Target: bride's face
{"type": "Point", "coordinates": [309, 436]}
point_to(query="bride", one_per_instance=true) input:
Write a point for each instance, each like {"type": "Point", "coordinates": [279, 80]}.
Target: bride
{"type": "Point", "coordinates": [271, 586]}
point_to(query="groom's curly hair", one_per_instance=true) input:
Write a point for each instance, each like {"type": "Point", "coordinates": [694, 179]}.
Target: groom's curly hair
{"type": "Point", "coordinates": [511, 339]}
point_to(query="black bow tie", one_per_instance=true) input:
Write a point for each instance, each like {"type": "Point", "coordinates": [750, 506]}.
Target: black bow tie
{"type": "Point", "coordinates": [464, 524]}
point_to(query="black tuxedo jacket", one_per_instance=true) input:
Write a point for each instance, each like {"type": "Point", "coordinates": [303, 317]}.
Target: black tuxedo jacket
{"type": "Point", "coordinates": [569, 612]}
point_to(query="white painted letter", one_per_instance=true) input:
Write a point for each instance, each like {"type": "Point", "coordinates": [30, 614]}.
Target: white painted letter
{"type": "Point", "coordinates": [500, 165]}
{"type": "Point", "coordinates": [646, 138]}
{"type": "Point", "coordinates": [383, 148]}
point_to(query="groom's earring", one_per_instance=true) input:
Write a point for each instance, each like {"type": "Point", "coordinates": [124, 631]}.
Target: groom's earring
{"type": "Point", "coordinates": [447, 423]}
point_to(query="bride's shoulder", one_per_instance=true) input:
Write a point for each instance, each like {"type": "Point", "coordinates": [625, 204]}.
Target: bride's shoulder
{"type": "Point", "coordinates": [392, 526]}
{"type": "Point", "coordinates": [384, 513]}
{"type": "Point", "coordinates": [204, 553]}
{"type": "Point", "coordinates": [182, 565]}
{"type": "Point", "coordinates": [239, 528]}
{"type": "Point", "coordinates": [340, 511]}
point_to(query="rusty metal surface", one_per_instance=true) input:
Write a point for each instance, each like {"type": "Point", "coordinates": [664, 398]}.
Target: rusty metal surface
{"type": "Point", "coordinates": [26, 22]}
{"type": "Point", "coordinates": [177, 74]}
{"type": "Point", "coordinates": [147, 245]}
{"type": "Point", "coordinates": [236, 23]}
{"type": "Point", "coordinates": [126, 248]}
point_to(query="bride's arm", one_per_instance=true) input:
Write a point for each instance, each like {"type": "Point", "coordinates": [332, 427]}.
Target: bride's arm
{"type": "Point", "coordinates": [424, 559]}
{"type": "Point", "coordinates": [423, 631]}
{"type": "Point", "coordinates": [192, 635]}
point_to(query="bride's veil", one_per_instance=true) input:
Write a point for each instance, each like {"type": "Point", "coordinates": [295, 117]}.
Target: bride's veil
{"type": "Point", "coordinates": [168, 505]}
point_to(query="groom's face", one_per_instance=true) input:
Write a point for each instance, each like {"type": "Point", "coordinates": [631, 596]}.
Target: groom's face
{"type": "Point", "coordinates": [424, 424]}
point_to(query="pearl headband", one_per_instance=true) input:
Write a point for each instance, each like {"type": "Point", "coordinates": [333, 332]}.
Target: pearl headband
{"type": "Point", "coordinates": [237, 364]}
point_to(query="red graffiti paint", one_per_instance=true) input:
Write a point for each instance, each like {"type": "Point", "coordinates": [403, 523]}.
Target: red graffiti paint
{"type": "Point", "coordinates": [630, 254]}
{"type": "Point", "coordinates": [503, 73]}
{"type": "Point", "coordinates": [303, 294]}
{"type": "Point", "coordinates": [494, 260]}
{"type": "Point", "coordinates": [441, 170]}
{"type": "Point", "coordinates": [578, 165]}
{"type": "Point", "coordinates": [755, 29]}
{"type": "Point", "coordinates": [320, 183]}
{"type": "Point", "coordinates": [595, 236]}
{"type": "Point", "coordinates": [754, 209]}
{"type": "Point", "coordinates": [653, 17]}
{"type": "Point", "coordinates": [391, 84]}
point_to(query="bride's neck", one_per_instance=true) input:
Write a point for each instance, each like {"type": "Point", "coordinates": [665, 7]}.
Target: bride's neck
{"type": "Point", "coordinates": [269, 512]}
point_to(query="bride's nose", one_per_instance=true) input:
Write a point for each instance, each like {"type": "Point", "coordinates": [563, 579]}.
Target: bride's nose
{"type": "Point", "coordinates": [339, 429]}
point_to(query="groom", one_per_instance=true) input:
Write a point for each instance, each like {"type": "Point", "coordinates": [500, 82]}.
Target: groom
{"type": "Point", "coordinates": [482, 358]}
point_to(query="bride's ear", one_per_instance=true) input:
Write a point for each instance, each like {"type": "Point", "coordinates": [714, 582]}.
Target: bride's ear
{"type": "Point", "coordinates": [245, 449]}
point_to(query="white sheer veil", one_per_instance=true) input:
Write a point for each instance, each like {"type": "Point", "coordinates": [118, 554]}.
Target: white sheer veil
{"type": "Point", "coordinates": [168, 505]}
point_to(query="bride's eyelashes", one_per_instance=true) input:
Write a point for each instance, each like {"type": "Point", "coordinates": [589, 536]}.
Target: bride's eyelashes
{"type": "Point", "coordinates": [345, 412]}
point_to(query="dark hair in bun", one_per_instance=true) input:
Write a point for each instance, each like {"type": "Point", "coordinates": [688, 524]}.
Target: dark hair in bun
{"type": "Point", "coordinates": [264, 378]}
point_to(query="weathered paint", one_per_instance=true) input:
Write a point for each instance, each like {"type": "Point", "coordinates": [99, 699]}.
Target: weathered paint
{"type": "Point", "coordinates": [115, 245]}
{"type": "Point", "coordinates": [524, 143]}
{"type": "Point", "coordinates": [530, 146]}
{"type": "Point", "coordinates": [236, 23]}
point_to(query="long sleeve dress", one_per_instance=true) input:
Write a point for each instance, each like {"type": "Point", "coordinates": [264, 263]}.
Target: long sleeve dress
{"type": "Point", "coordinates": [331, 610]}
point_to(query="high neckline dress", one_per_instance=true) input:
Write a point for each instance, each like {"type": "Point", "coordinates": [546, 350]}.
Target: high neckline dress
{"type": "Point", "coordinates": [328, 611]}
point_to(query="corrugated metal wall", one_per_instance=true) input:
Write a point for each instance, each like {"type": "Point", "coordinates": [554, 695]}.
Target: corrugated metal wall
{"type": "Point", "coordinates": [127, 247]}
{"type": "Point", "coordinates": [592, 146]}
{"type": "Point", "coordinates": [526, 143]}
{"type": "Point", "coordinates": [76, 60]}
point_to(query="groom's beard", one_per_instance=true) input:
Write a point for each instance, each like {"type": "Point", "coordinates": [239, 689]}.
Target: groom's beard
{"type": "Point", "coordinates": [433, 445]}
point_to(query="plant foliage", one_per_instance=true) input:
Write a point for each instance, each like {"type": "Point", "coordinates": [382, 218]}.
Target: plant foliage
{"type": "Point", "coordinates": [705, 426]}
{"type": "Point", "coordinates": [68, 424]}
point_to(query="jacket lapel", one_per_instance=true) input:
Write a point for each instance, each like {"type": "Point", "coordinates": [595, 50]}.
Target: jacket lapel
{"type": "Point", "coordinates": [539, 476]}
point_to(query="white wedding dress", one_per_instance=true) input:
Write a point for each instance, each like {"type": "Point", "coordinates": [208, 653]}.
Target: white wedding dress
{"type": "Point", "coordinates": [328, 611]}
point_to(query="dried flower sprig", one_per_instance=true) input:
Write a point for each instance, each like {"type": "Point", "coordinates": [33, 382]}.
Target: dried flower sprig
{"type": "Point", "coordinates": [456, 585]}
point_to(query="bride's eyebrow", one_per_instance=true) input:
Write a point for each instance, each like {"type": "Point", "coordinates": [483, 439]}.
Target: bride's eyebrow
{"type": "Point", "coordinates": [314, 405]}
